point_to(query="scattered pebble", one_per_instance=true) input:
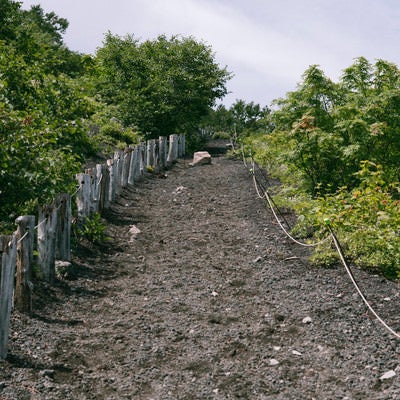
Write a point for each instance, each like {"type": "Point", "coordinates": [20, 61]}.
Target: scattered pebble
{"type": "Point", "coordinates": [388, 375]}
{"type": "Point", "coordinates": [273, 362]}
{"type": "Point", "coordinates": [307, 320]}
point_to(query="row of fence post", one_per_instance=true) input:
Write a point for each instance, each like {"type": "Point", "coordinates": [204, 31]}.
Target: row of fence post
{"type": "Point", "coordinates": [98, 188]}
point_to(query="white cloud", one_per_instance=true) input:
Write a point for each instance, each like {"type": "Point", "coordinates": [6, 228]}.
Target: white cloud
{"type": "Point", "coordinates": [267, 44]}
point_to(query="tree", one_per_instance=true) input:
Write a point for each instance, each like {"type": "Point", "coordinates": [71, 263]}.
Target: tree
{"type": "Point", "coordinates": [327, 129]}
{"type": "Point", "coordinates": [162, 86]}
{"type": "Point", "coordinates": [42, 111]}
{"type": "Point", "coordinates": [239, 120]}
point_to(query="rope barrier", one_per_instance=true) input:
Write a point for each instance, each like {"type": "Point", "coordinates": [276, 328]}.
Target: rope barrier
{"type": "Point", "coordinates": [76, 191]}
{"type": "Point", "coordinates": [268, 198]}
{"type": "Point", "coordinates": [23, 237]}
{"type": "Point", "coordinates": [350, 273]}
{"type": "Point", "coordinates": [42, 222]}
{"type": "Point", "coordinates": [334, 239]}
{"type": "Point", "coordinates": [272, 206]}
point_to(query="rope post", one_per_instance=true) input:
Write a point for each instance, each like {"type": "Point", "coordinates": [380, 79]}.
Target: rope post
{"type": "Point", "coordinates": [103, 186]}
{"type": "Point", "coordinates": [131, 168]}
{"type": "Point", "coordinates": [112, 181]}
{"type": "Point", "coordinates": [173, 149]}
{"type": "Point", "coordinates": [162, 140]}
{"type": "Point", "coordinates": [126, 163]}
{"type": "Point", "coordinates": [118, 166]}
{"type": "Point", "coordinates": [47, 241]}
{"type": "Point", "coordinates": [63, 241]}
{"type": "Point", "coordinates": [83, 197]}
{"type": "Point", "coordinates": [23, 282]}
{"type": "Point", "coordinates": [142, 159]}
{"type": "Point", "coordinates": [156, 156]}
{"type": "Point", "coordinates": [150, 153]}
{"type": "Point", "coordinates": [8, 262]}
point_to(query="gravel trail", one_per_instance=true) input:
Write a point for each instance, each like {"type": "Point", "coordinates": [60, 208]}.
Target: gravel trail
{"type": "Point", "coordinates": [208, 301]}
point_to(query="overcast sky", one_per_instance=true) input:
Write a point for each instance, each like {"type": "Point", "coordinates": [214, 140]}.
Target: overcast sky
{"type": "Point", "coordinates": [266, 44]}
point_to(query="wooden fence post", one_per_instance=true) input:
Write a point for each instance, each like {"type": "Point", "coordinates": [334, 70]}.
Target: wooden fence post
{"type": "Point", "coordinates": [83, 197]}
{"type": "Point", "coordinates": [156, 156]}
{"type": "Point", "coordinates": [132, 164]}
{"type": "Point", "coordinates": [23, 282]}
{"type": "Point", "coordinates": [173, 149]}
{"type": "Point", "coordinates": [150, 153]}
{"type": "Point", "coordinates": [111, 172]}
{"type": "Point", "coordinates": [118, 163]}
{"type": "Point", "coordinates": [126, 157]}
{"type": "Point", "coordinates": [63, 235]}
{"type": "Point", "coordinates": [47, 241]}
{"type": "Point", "coordinates": [93, 198]}
{"type": "Point", "coordinates": [142, 158]}
{"type": "Point", "coordinates": [162, 140]}
{"type": "Point", "coordinates": [103, 186]}
{"type": "Point", "coordinates": [8, 262]}
{"type": "Point", "coordinates": [182, 146]}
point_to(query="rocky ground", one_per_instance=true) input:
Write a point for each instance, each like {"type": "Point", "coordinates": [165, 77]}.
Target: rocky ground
{"type": "Point", "coordinates": [209, 301]}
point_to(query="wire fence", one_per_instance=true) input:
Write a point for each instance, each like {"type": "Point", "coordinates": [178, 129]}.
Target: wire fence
{"type": "Point", "coordinates": [49, 240]}
{"type": "Point", "coordinates": [262, 186]}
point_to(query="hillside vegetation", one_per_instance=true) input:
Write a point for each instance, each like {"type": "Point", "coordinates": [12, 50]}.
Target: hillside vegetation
{"type": "Point", "coordinates": [335, 147]}
{"type": "Point", "coordinates": [59, 107]}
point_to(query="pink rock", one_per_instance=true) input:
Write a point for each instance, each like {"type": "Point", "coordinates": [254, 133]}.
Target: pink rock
{"type": "Point", "coordinates": [201, 158]}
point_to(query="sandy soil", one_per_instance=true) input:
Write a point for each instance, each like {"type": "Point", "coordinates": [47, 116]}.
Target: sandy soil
{"type": "Point", "coordinates": [209, 301]}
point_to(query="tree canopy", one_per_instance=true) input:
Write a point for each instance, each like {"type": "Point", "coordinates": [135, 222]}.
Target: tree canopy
{"type": "Point", "coordinates": [161, 86]}
{"type": "Point", "coordinates": [336, 149]}
{"type": "Point", "coordinates": [58, 107]}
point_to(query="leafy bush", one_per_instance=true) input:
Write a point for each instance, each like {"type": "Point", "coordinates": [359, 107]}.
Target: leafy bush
{"type": "Point", "coordinates": [365, 219]}
{"type": "Point", "coordinates": [92, 229]}
{"type": "Point", "coordinates": [335, 148]}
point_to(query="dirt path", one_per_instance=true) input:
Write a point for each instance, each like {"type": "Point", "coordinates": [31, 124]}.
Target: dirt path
{"type": "Point", "coordinates": [208, 301]}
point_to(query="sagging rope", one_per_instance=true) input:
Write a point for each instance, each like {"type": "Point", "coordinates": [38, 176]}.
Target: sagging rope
{"type": "Point", "coordinates": [272, 207]}
{"type": "Point", "coordinates": [337, 245]}
{"type": "Point", "coordinates": [350, 273]}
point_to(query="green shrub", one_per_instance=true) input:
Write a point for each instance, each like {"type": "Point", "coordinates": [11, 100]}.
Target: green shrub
{"type": "Point", "coordinates": [366, 221]}
{"type": "Point", "coordinates": [92, 229]}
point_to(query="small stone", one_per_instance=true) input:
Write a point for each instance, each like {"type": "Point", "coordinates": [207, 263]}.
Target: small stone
{"type": "Point", "coordinates": [258, 259]}
{"type": "Point", "coordinates": [273, 362]}
{"type": "Point", "coordinates": [307, 320]}
{"type": "Point", "coordinates": [47, 372]}
{"type": "Point", "coordinates": [201, 158]}
{"type": "Point", "coordinates": [296, 353]}
{"type": "Point", "coordinates": [388, 375]}
{"type": "Point", "coordinates": [133, 231]}
{"type": "Point", "coordinates": [214, 294]}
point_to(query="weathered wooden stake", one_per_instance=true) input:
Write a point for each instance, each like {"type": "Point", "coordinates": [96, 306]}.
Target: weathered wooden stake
{"type": "Point", "coordinates": [162, 140]}
{"type": "Point", "coordinates": [118, 163]}
{"type": "Point", "coordinates": [64, 216]}
{"type": "Point", "coordinates": [173, 149]}
{"type": "Point", "coordinates": [47, 241]}
{"type": "Point", "coordinates": [103, 184]}
{"type": "Point", "coordinates": [23, 282]}
{"type": "Point", "coordinates": [8, 263]}
{"type": "Point", "coordinates": [182, 146]}
{"type": "Point", "coordinates": [142, 158]}
{"type": "Point", "coordinates": [83, 197]}
{"type": "Point", "coordinates": [111, 172]}
{"type": "Point", "coordinates": [125, 167]}
{"type": "Point", "coordinates": [150, 153]}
